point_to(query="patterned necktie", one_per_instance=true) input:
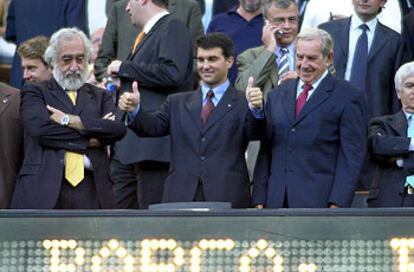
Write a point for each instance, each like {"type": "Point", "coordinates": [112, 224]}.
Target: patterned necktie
{"type": "Point", "coordinates": [360, 61]}
{"type": "Point", "coordinates": [303, 96]}
{"type": "Point", "coordinates": [410, 133]}
{"type": "Point", "coordinates": [138, 39]}
{"type": "Point", "coordinates": [283, 66]}
{"type": "Point", "coordinates": [74, 167]}
{"type": "Point", "coordinates": [208, 107]}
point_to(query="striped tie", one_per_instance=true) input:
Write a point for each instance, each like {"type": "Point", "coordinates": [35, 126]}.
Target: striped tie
{"type": "Point", "coordinates": [410, 133]}
{"type": "Point", "coordinates": [284, 62]}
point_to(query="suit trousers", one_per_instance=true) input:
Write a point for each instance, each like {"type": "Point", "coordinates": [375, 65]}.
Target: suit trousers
{"type": "Point", "coordinates": [83, 196]}
{"type": "Point", "coordinates": [138, 185]}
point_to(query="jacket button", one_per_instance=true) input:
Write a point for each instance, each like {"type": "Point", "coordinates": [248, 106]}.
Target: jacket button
{"type": "Point", "coordinates": [202, 158]}
{"type": "Point", "coordinates": [203, 139]}
{"type": "Point", "coordinates": [293, 129]}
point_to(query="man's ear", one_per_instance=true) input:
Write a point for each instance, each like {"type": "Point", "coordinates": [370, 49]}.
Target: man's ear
{"type": "Point", "coordinates": [229, 62]}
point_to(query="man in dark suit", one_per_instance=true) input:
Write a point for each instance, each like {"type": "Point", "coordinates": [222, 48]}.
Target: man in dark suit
{"type": "Point", "coordinates": [11, 142]}
{"type": "Point", "coordinates": [162, 63]}
{"type": "Point", "coordinates": [120, 33]}
{"type": "Point", "coordinates": [27, 19]}
{"type": "Point", "coordinates": [209, 129]}
{"type": "Point", "coordinates": [316, 133]}
{"type": "Point", "coordinates": [375, 76]}
{"type": "Point", "coordinates": [67, 125]}
{"type": "Point", "coordinates": [391, 143]}
{"type": "Point", "coordinates": [408, 34]}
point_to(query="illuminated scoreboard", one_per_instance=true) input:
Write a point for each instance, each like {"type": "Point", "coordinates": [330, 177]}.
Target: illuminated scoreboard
{"type": "Point", "coordinates": [300, 240]}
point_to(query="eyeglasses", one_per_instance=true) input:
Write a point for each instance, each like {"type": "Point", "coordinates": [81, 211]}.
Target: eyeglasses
{"type": "Point", "coordinates": [68, 59]}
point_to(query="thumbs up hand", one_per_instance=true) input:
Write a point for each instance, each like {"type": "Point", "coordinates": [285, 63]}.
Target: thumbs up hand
{"type": "Point", "coordinates": [129, 101]}
{"type": "Point", "coordinates": [254, 95]}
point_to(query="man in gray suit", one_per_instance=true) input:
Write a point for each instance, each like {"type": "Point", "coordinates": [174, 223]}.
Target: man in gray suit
{"type": "Point", "coordinates": [120, 33]}
{"type": "Point", "coordinates": [278, 50]}
{"type": "Point", "coordinates": [279, 34]}
{"type": "Point", "coordinates": [383, 55]}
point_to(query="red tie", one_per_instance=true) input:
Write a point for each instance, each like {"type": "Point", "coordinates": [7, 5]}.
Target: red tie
{"type": "Point", "coordinates": [208, 107]}
{"type": "Point", "coordinates": [300, 102]}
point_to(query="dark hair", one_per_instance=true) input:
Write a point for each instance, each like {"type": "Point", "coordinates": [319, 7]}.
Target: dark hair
{"type": "Point", "coordinates": [280, 4]}
{"type": "Point", "coordinates": [34, 48]}
{"type": "Point", "coordinates": [161, 3]}
{"type": "Point", "coordinates": [217, 39]}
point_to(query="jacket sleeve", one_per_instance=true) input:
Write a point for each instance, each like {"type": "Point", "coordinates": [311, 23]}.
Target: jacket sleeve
{"type": "Point", "coordinates": [249, 64]}
{"type": "Point", "coordinates": [37, 124]}
{"type": "Point", "coordinates": [351, 154]}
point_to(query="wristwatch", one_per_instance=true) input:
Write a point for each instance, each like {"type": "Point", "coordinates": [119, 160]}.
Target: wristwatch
{"type": "Point", "coordinates": [64, 121]}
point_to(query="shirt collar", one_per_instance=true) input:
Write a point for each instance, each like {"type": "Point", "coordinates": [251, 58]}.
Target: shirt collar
{"type": "Point", "coordinates": [150, 24]}
{"type": "Point", "coordinates": [314, 84]}
{"type": "Point", "coordinates": [290, 47]}
{"type": "Point", "coordinates": [218, 90]}
{"type": "Point", "coordinates": [356, 22]}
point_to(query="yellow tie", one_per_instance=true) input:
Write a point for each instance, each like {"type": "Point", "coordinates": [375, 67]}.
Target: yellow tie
{"type": "Point", "coordinates": [138, 39]}
{"type": "Point", "coordinates": [74, 167]}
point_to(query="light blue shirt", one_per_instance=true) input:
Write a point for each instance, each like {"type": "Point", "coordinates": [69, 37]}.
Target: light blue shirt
{"type": "Point", "coordinates": [290, 55]}
{"type": "Point", "coordinates": [218, 94]}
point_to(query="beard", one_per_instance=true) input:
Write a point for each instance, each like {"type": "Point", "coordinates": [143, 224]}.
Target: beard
{"type": "Point", "coordinates": [250, 7]}
{"type": "Point", "coordinates": [70, 80]}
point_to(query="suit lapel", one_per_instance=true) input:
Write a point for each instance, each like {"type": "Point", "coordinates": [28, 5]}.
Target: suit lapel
{"type": "Point", "coordinates": [226, 104]}
{"type": "Point", "coordinates": [342, 47]}
{"type": "Point", "coordinates": [4, 101]}
{"type": "Point", "coordinates": [84, 96]}
{"type": "Point", "coordinates": [321, 93]}
{"type": "Point", "coordinates": [380, 37]}
{"type": "Point", "coordinates": [289, 99]}
{"type": "Point", "coordinates": [61, 95]}
{"type": "Point", "coordinates": [399, 123]}
{"type": "Point", "coordinates": [193, 105]}
{"type": "Point", "coordinates": [147, 36]}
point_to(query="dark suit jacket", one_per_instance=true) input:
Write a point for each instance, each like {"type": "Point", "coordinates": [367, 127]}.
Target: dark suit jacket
{"type": "Point", "coordinates": [120, 33]}
{"type": "Point", "coordinates": [388, 141]}
{"type": "Point", "coordinates": [11, 142]}
{"type": "Point", "coordinates": [46, 142]}
{"type": "Point", "coordinates": [27, 19]}
{"type": "Point", "coordinates": [213, 155]}
{"type": "Point", "coordinates": [316, 158]}
{"type": "Point", "coordinates": [385, 57]}
{"type": "Point", "coordinates": [162, 65]}
{"type": "Point", "coordinates": [408, 34]}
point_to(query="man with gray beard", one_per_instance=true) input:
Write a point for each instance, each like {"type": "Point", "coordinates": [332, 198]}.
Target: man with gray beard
{"type": "Point", "coordinates": [67, 124]}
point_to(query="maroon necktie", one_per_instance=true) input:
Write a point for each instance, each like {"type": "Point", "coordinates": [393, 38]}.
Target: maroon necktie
{"type": "Point", "coordinates": [300, 102]}
{"type": "Point", "coordinates": [208, 107]}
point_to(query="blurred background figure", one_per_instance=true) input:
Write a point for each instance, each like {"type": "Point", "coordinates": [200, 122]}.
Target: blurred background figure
{"type": "Point", "coordinates": [210, 8]}
{"type": "Point", "coordinates": [6, 49]}
{"type": "Point", "coordinates": [321, 11]}
{"type": "Point", "coordinates": [31, 52]}
{"type": "Point", "coordinates": [27, 19]}
{"type": "Point", "coordinates": [11, 142]}
{"type": "Point", "coordinates": [243, 24]}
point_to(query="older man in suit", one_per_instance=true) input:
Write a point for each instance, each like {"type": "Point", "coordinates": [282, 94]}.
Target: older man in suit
{"type": "Point", "coordinates": [67, 125]}
{"type": "Point", "coordinates": [209, 129]}
{"type": "Point", "coordinates": [161, 60]}
{"type": "Point", "coordinates": [316, 133]}
{"type": "Point", "coordinates": [391, 143]}
{"type": "Point", "coordinates": [120, 33]}
{"type": "Point", "coordinates": [368, 54]}
{"type": "Point", "coordinates": [11, 142]}
{"type": "Point", "coordinates": [27, 19]}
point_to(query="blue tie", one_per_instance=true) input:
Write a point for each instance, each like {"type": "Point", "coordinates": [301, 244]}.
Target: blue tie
{"type": "Point", "coordinates": [410, 133]}
{"type": "Point", "coordinates": [359, 64]}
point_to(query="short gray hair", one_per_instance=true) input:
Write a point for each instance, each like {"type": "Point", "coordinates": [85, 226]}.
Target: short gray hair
{"type": "Point", "coordinates": [280, 4]}
{"type": "Point", "coordinates": [311, 34]}
{"type": "Point", "coordinates": [66, 34]}
{"type": "Point", "coordinates": [405, 71]}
